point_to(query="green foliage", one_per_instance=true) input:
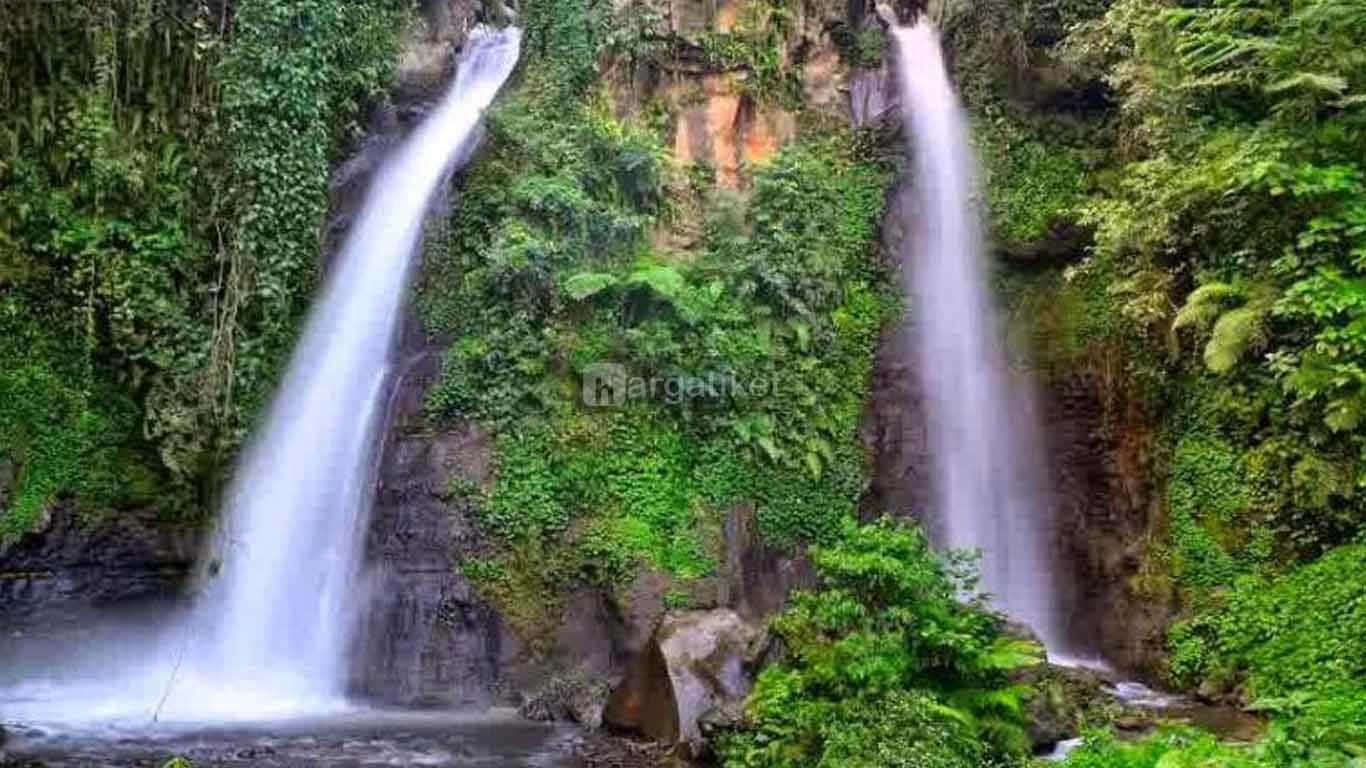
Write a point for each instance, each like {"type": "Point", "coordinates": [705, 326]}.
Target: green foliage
{"type": "Point", "coordinates": [59, 442]}
{"type": "Point", "coordinates": [294, 80]}
{"type": "Point", "coordinates": [886, 665]}
{"type": "Point", "coordinates": [1222, 173]}
{"type": "Point", "coordinates": [1302, 741]}
{"type": "Point", "coordinates": [1303, 631]}
{"type": "Point", "coordinates": [162, 184]}
{"type": "Point", "coordinates": [755, 45]}
{"type": "Point", "coordinates": [1206, 492]}
{"type": "Point", "coordinates": [859, 47]}
{"type": "Point", "coordinates": [1229, 213]}
{"type": "Point", "coordinates": [748, 355]}
{"type": "Point", "coordinates": [1295, 645]}
{"type": "Point", "coordinates": [1236, 329]}
{"type": "Point", "coordinates": [1169, 749]}
{"type": "Point", "coordinates": [1032, 186]}
{"type": "Point", "coordinates": [775, 325]}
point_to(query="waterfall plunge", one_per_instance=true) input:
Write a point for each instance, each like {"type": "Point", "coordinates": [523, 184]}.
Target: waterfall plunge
{"type": "Point", "coordinates": [990, 485]}
{"type": "Point", "coordinates": [269, 636]}
{"type": "Point", "coordinates": [280, 612]}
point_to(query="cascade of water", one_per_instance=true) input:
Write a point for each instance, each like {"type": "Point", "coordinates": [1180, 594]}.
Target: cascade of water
{"type": "Point", "coordinates": [269, 635]}
{"type": "Point", "coordinates": [278, 612]}
{"type": "Point", "coordinates": [990, 486]}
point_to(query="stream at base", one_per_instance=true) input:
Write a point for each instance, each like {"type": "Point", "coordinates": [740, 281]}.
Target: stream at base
{"type": "Point", "coordinates": [1227, 722]}
{"type": "Point", "coordinates": [357, 738]}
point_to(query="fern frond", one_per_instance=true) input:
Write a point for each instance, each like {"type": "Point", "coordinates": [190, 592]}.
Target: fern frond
{"type": "Point", "coordinates": [1195, 316]}
{"type": "Point", "coordinates": [1235, 332]}
{"type": "Point", "coordinates": [1314, 81]}
{"type": "Point", "coordinates": [664, 280]}
{"type": "Point", "coordinates": [963, 716]}
{"type": "Point", "coordinates": [586, 284]}
{"type": "Point", "coordinates": [1007, 700]}
{"type": "Point", "coordinates": [1203, 304]}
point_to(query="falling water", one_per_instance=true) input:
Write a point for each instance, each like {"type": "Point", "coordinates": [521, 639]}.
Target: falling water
{"type": "Point", "coordinates": [269, 636]}
{"type": "Point", "coordinates": [279, 614]}
{"type": "Point", "coordinates": [989, 489]}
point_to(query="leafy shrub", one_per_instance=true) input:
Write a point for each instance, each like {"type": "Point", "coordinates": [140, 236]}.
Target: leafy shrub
{"type": "Point", "coordinates": [1290, 743]}
{"type": "Point", "coordinates": [1205, 492]}
{"type": "Point", "coordinates": [1169, 748]}
{"type": "Point", "coordinates": [1304, 631]}
{"type": "Point", "coordinates": [61, 442]}
{"type": "Point", "coordinates": [885, 665]}
{"type": "Point", "coordinates": [1032, 185]}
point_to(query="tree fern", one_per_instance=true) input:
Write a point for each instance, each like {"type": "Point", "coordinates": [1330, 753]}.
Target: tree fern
{"type": "Point", "coordinates": [1009, 653]}
{"type": "Point", "coordinates": [665, 281]}
{"type": "Point", "coordinates": [1235, 330]}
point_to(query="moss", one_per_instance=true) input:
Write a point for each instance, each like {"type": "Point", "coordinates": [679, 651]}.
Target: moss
{"type": "Point", "coordinates": [521, 581]}
{"type": "Point", "coordinates": [61, 441]}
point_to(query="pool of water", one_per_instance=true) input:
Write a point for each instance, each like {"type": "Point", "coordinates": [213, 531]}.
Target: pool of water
{"type": "Point", "coordinates": [359, 738]}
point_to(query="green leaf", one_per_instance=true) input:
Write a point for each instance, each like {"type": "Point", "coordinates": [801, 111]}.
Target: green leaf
{"type": "Point", "coordinates": [1344, 415]}
{"type": "Point", "coordinates": [660, 278]}
{"type": "Point", "coordinates": [1313, 81]}
{"type": "Point", "coordinates": [1203, 305]}
{"type": "Point", "coordinates": [586, 284]}
{"type": "Point", "coordinates": [1235, 332]}
{"type": "Point", "coordinates": [813, 464]}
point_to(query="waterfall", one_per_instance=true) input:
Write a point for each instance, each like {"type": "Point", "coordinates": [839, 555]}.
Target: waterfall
{"type": "Point", "coordinates": [990, 485]}
{"type": "Point", "coordinates": [280, 610]}
{"type": "Point", "coordinates": [269, 634]}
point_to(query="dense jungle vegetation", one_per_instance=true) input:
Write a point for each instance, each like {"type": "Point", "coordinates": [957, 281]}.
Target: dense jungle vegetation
{"type": "Point", "coordinates": [163, 185]}
{"type": "Point", "coordinates": [758, 337]}
{"type": "Point", "coordinates": [1220, 172]}
{"type": "Point", "coordinates": [163, 179]}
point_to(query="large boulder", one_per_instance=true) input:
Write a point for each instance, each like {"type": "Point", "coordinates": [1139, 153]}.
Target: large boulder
{"type": "Point", "coordinates": [697, 662]}
{"type": "Point", "coordinates": [1063, 700]}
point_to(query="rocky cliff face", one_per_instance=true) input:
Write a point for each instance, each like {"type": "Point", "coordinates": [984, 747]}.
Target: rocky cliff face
{"type": "Point", "coordinates": [427, 638]}
{"type": "Point", "coordinates": [1100, 449]}
{"type": "Point", "coordinates": [74, 571]}
{"type": "Point", "coordinates": [1105, 499]}
{"type": "Point", "coordinates": [430, 639]}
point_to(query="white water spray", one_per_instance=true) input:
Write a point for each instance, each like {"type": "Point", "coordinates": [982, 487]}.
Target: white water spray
{"type": "Point", "coordinates": [990, 488]}
{"type": "Point", "coordinates": [280, 613]}
{"type": "Point", "coordinates": [270, 636]}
